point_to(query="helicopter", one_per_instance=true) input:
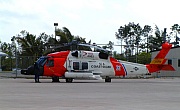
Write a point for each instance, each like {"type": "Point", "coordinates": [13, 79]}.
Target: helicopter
{"type": "Point", "coordinates": [82, 64]}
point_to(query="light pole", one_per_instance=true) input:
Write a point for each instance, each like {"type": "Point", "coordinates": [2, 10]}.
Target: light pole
{"type": "Point", "coordinates": [16, 56]}
{"type": "Point", "coordinates": [16, 59]}
{"type": "Point", "coordinates": [55, 24]}
{"type": "Point", "coordinates": [0, 61]}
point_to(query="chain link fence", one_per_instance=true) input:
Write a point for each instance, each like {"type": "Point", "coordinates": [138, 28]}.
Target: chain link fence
{"type": "Point", "coordinates": [22, 62]}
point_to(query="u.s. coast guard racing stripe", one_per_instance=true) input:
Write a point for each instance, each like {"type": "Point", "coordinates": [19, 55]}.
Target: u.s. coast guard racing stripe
{"type": "Point", "coordinates": [124, 69]}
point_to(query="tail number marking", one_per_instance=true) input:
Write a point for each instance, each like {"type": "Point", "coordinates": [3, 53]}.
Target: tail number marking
{"type": "Point", "coordinates": [157, 61]}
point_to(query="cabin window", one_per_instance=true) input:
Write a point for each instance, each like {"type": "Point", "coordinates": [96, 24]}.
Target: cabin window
{"type": "Point", "coordinates": [84, 65]}
{"type": "Point", "coordinates": [76, 65]}
{"type": "Point", "coordinates": [50, 63]}
{"type": "Point", "coordinates": [170, 62]}
{"type": "Point", "coordinates": [178, 62]}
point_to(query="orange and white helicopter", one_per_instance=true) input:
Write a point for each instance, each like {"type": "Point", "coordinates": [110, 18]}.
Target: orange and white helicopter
{"type": "Point", "coordinates": [82, 64]}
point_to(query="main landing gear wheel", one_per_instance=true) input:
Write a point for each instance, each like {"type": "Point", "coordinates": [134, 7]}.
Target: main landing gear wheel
{"type": "Point", "coordinates": [55, 79]}
{"type": "Point", "coordinates": [107, 79]}
{"type": "Point", "coordinates": [69, 80]}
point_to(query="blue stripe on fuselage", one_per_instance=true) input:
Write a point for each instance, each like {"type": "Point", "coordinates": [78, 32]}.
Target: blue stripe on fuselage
{"type": "Point", "coordinates": [124, 69]}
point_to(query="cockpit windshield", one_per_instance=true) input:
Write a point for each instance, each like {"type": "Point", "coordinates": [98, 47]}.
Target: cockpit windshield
{"type": "Point", "coordinates": [42, 60]}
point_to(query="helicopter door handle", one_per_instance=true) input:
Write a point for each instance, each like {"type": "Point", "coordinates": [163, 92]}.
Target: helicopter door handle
{"type": "Point", "coordinates": [51, 70]}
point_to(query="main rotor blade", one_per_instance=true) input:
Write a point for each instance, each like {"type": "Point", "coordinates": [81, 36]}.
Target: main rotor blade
{"type": "Point", "coordinates": [92, 46]}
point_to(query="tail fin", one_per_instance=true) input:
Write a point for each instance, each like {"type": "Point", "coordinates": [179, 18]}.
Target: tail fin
{"type": "Point", "coordinates": [158, 63]}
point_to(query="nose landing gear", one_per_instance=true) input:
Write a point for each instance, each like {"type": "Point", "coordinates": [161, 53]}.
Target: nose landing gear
{"type": "Point", "coordinates": [55, 79]}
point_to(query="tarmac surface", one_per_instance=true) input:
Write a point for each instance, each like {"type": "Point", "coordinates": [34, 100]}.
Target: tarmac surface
{"type": "Point", "coordinates": [120, 94]}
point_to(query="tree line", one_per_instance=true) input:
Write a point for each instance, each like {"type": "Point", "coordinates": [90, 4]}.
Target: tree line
{"type": "Point", "coordinates": [136, 42]}
{"type": "Point", "coordinates": [140, 40]}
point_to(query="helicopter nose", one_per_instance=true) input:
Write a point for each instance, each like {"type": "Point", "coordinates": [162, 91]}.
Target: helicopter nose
{"type": "Point", "coordinates": [28, 71]}
{"type": "Point", "coordinates": [24, 71]}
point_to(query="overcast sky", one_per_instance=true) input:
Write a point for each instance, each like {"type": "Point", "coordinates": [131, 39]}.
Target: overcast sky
{"type": "Point", "coordinates": [97, 20]}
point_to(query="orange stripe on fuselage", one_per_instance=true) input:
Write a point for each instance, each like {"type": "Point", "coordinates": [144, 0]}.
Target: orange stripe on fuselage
{"type": "Point", "coordinates": [118, 67]}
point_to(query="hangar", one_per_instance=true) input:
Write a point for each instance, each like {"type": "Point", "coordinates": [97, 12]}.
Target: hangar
{"type": "Point", "coordinates": [173, 58]}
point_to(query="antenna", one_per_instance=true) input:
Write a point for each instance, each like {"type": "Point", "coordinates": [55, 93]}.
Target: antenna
{"type": "Point", "coordinates": [164, 36]}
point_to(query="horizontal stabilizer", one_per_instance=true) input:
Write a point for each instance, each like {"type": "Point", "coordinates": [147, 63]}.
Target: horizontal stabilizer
{"type": "Point", "coordinates": [157, 67]}
{"type": "Point", "coordinates": [167, 68]}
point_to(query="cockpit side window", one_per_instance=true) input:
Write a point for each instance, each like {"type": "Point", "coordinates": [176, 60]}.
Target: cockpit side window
{"type": "Point", "coordinates": [43, 62]}
{"type": "Point", "coordinates": [50, 63]}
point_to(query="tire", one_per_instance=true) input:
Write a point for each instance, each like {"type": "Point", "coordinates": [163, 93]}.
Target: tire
{"type": "Point", "coordinates": [55, 79]}
{"type": "Point", "coordinates": [107, 79]}
{"type": "Point", "coordinates": [69, 80]}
